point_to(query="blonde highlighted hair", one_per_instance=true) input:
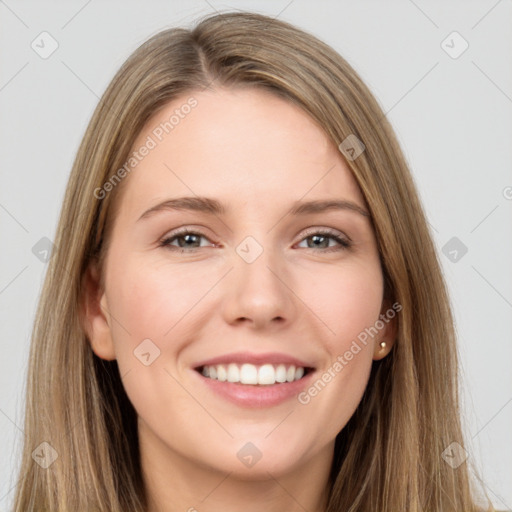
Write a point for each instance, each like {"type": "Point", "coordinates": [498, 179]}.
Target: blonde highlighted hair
{"type": "Point", "coordinates": [388, 457]}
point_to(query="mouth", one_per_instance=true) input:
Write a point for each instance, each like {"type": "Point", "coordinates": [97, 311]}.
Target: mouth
{"type": "Point", "coordinates": [255, 380]}
{"type": "Point", "coordinates": [248, 374]}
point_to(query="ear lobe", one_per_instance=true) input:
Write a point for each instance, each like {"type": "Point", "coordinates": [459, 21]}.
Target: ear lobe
{"type": "Point", "coordinates": [93, 315]}
{"type": "Point", "coordinates": [388, 334]}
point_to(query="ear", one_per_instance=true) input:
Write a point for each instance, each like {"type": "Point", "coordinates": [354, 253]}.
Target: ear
{"type": "Point", "coordinates": [389, 317]}
{"type": "Point", "coordinates": [94, 311]}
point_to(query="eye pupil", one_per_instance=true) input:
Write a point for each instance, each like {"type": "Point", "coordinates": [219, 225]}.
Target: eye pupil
{"type": "Point", "coordinates": [316, 237]}
{"type": "Point", "coordinates": [186, 238]}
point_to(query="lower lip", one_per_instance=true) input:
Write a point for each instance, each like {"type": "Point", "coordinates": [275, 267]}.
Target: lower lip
{"type": "Point", "coordinates": [254, 396]}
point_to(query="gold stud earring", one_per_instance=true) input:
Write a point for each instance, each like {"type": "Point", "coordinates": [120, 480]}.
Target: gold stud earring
{"type": "Point", "coordinates": [382, 345]}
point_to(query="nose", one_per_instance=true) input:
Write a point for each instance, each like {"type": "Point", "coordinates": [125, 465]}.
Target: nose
{"type": "Point", "coordinates": [258, 294]}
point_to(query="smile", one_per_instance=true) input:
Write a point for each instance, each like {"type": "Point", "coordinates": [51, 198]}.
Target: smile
{"type": "Point", "coordinates": [250, 374]}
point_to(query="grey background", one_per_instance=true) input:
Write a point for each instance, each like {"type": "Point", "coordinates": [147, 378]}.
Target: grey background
{"type": "Point", "coordinates": [452, 117]}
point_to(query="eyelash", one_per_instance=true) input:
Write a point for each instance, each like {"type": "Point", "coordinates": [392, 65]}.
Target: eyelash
{"type": "Point", "coordinates": [343, 243]}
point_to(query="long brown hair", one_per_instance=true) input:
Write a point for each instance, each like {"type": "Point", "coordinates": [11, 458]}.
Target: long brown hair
{"type": "Point", "coordinates": [388, 458]}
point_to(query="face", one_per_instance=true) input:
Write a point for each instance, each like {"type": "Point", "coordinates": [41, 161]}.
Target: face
{"type": "Point", "coordinates": [255, 291]}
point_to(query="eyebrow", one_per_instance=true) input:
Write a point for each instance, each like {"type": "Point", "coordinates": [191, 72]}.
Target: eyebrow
{"type": "Point", "coordinates": [214, 207]}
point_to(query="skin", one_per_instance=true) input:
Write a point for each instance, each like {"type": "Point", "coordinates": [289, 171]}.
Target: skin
{"type": "Point", "coordinates": [257, 154]}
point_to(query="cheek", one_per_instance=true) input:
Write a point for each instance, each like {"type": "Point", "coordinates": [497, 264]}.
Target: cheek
{"type": "Point", "coordinates": [152, 298]}
{"type": "Point", "coordinates": [150, 301]}
{"type": "Point", "coordinates": [348, 300]}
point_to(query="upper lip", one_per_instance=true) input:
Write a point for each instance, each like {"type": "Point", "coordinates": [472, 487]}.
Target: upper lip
{"type": "Point", "coordinates": [253, 358]}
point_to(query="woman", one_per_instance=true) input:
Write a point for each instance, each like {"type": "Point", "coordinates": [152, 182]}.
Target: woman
{"type": "Point", "coordinates": [245, 308]}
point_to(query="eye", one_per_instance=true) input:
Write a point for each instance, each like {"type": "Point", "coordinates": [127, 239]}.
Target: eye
{"type": "Point", "coordinates": [189, 241]}
{"type": "Point", "coordinates": [321, 239]}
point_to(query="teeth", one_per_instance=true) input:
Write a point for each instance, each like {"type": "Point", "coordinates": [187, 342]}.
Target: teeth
{"type": "Point", "coordinates": [281, 373]}
{"type": "Point", "coordinates": [233, 373]}
{"type": "Point", "coordinates": [264, 375]}
{"type": "Point", "coordinates": [249, 374]}
{"type": "Point", "coordinates": [222, 374]}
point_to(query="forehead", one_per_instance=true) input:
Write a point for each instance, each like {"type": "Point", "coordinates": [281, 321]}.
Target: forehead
{"type": "Point", "coordinates": [246, 147]}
